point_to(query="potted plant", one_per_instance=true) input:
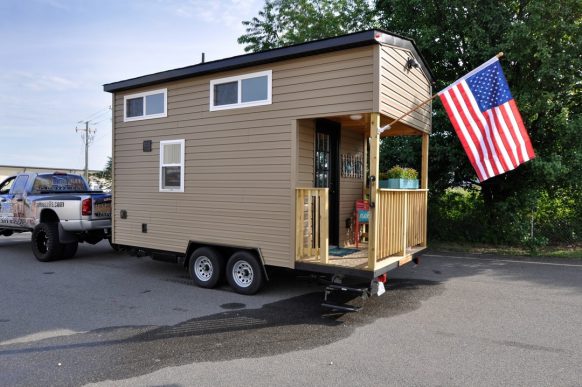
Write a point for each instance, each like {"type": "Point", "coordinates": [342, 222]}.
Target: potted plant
{"type": "Point", "coordinates": [399, 178]}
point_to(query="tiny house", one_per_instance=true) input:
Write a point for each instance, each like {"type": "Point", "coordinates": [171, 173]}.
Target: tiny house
{"type": "Point", "coordinates": [260, 160]}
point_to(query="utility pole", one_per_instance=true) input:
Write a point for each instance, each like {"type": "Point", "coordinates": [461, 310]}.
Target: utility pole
{"type": "Point", "coordinates": [86, 138]}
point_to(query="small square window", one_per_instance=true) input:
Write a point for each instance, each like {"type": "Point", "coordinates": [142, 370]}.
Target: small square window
{"type": "Point", "coordinates": [143, 106]}
{"type": "Point", "coordinates": [134, 107]}
{"type": "Point", "coordinates": [254, 89]}
{"type": "Point", "coordinates": [155, 104]}
{"type": "Point", "coordinates": [171, 177]}
{"type": "Point", "coordinates": [225, 93]}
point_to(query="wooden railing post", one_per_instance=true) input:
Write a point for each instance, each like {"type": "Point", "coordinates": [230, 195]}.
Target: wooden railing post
{"type": "Point", "coordinates": [298, 224]}
{"type": "Point", "coordinates": [405, 226]}
{"type": "Point", "coordinates": [324, 226]}
{"type": "Point", "coordinates": [374, 176]}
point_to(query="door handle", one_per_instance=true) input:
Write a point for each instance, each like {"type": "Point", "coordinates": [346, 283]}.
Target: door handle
{"type": "Point", "coordinates": [19, 200]}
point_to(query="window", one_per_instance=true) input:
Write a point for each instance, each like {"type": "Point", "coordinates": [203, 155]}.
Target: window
{"type": "Point", "coordinates": [143, 106]}
{"type": "Point", "coordinates": [20, 185]}
{"type": "Point", "coordinates": [241, 91]}
{"type": "Point", "coordinates": [172, 166]}
{"type": "Point", "coordinates": [6, 185]}
{"type": "Point", "coordinates": [59, 182]}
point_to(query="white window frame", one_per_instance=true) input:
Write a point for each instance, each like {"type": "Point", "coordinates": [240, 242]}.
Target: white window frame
{"type": "Point", "coordinates": [144, 95]}
{"type": "Point", "coordinates": [238, 79]}
{"type": "Point", "coordinates": [181, 165]}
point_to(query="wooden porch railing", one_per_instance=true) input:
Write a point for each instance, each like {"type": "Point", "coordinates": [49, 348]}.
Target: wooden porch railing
{"type": "Point", "coordinates": [312, 224]}
{"type": "Point", "coordinates": [401, 221]}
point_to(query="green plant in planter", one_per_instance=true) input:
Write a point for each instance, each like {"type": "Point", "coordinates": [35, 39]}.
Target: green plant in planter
{"type": "Point", "coordinates": [399, 177]}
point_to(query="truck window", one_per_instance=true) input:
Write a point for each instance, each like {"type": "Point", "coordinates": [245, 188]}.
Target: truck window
{"type": "Point", "coordinates": [20, 184]}
{"type": "Point", "coordinates": [6, 185]}
{"type": "Point", "coordinates": [60, 183]}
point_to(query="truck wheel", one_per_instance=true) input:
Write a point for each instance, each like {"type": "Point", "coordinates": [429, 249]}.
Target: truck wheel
{"type": "Point", "coordinates": [205, 267]}
{"type": "Point", "coordinates": [45, 242]}
{"type": "Point", "coordinates": [244, 273]}
{"type": "Point", "coordinates": [70, 249]}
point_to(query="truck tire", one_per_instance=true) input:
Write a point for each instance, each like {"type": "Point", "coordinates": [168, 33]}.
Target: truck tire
{"type": "Point", "coordinates": [244, 273]}
{"type": "Point", "coordinates": [45, 242]}
{"type": "Point", "coordinates": [70, 249]}
{"type": "Point", "coordinates": [206, 267]}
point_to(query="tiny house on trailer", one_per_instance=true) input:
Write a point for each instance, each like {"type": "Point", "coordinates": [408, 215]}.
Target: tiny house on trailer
{"type": "Point", "coordinates": [259, 160]}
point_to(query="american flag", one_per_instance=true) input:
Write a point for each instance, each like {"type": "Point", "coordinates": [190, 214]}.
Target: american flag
{"type": "Point", "coordinates": [487, 121]}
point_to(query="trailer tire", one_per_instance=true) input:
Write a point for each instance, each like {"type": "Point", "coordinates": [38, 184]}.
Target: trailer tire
{"type": "Point", "coordinates": [206, 267]}
{"type": "Point", "coordinates": [244, 273]}
{"type": "Point", "coordinates": [45, 242]}
{"type": "Point", "coordinates": [70, 249]}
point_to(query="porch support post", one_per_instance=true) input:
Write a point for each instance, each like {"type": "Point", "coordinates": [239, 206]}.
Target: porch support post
{"type": "Point", "coordinates": [374, 172]}
{"type": "Point", "coordinates": [365, 185]}
{"type": "Point", "coordinates": [424, 185]}
{"type": "Point", "coordinates": [424, 170]}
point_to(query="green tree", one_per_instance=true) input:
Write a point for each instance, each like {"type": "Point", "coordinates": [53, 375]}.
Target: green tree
{"type": "Point", "coordinates": [542, 46]}
{"type": "Point", "coordinates": [284, 22]}
{"type": "Point", "coordinates": [106, 173]}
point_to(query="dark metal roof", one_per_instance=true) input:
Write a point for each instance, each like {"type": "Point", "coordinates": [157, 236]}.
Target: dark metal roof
{"type": "Point", "coordinates": [357, 39]}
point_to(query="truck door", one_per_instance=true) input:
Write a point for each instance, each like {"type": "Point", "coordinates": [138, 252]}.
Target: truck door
{"type": "Point", "coordinates": [17, 193]}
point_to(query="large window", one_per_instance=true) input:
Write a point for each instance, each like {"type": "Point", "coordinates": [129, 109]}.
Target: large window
{"type": "Point", "coordinates": [242, 91]}
{"type": "Point", "coordinates": [172, 166]}
{"type": "Point", "coordinates": [143, 106]}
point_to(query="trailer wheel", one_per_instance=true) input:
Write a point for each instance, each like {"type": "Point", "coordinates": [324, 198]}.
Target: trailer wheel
{"type": "Point", "coordinates": [244, 273]}
{"type": "Point", "coordinates": [205, 267]}
{"type": "Point", "coordinates": [70, 249]}
{"type": "Point", "coordinates": [45, 242]}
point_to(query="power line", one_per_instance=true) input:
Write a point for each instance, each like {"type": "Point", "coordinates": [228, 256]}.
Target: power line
{"type": "Point", "coordinates": [97, 113]}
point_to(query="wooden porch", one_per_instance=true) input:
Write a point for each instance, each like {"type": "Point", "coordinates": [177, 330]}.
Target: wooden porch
{"type": "Point", "coordinates": [397, 228]}
{"type": "Point", "coordinates": [400, 232]}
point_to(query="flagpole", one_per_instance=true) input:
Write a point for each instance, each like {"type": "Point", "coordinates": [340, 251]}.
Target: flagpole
{"type": "Point", "coordinates": [389, 126]}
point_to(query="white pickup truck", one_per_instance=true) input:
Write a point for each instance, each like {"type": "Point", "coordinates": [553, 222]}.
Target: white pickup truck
{"type": "Point", "coordinates": [58, 208]}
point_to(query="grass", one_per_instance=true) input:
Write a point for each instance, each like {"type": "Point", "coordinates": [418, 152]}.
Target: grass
{"type": "Point", "coordinates": [570, 252]}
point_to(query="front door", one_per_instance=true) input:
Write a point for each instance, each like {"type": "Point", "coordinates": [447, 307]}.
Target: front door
{"type": "Point", "coordinates": [327, 140]}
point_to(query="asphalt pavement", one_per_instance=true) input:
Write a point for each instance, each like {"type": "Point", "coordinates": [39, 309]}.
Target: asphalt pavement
{"type": "Point", "coordinates": [108, 319]}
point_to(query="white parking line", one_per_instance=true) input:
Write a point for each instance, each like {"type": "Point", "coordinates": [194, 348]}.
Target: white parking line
{"type": "Point", "coordinates": [503, 260]}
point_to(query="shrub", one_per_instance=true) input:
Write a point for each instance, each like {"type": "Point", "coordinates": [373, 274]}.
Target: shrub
{"type": "Point", "coordinates": [397, 172]}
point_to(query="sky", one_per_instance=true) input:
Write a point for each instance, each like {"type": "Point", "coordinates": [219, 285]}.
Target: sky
{"type": "Point", "coordinates": [55, 56]}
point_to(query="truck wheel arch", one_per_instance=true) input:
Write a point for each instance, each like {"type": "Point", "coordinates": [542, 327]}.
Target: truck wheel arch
{"type": "Point", "coordinates": [48, 216]}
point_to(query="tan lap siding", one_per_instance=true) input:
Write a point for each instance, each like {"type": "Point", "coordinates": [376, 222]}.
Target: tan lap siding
{"type": "Point", "coordinates": [306, 149]}
{"type": "Point", "coordinates": [401, 90]}
{"type": "Point", "coordinates": [237, 162]}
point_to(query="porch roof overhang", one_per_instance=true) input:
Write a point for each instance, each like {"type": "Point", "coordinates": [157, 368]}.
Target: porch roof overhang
{"type": "Point", "coordinates": [357, 39]}
{"type": "Point", "coordinates": [363, 125]}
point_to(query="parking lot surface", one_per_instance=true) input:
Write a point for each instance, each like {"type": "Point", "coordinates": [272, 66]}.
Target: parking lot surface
{"type": "Point", "coordinates": [109, 319]}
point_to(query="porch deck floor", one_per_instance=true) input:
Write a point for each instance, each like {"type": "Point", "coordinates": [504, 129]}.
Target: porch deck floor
{"type": "Point", "coordinates": [359, 259]}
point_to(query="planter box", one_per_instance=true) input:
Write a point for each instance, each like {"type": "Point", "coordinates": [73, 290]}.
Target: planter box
{"type": "Point", "coordinates": [399, 184]}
